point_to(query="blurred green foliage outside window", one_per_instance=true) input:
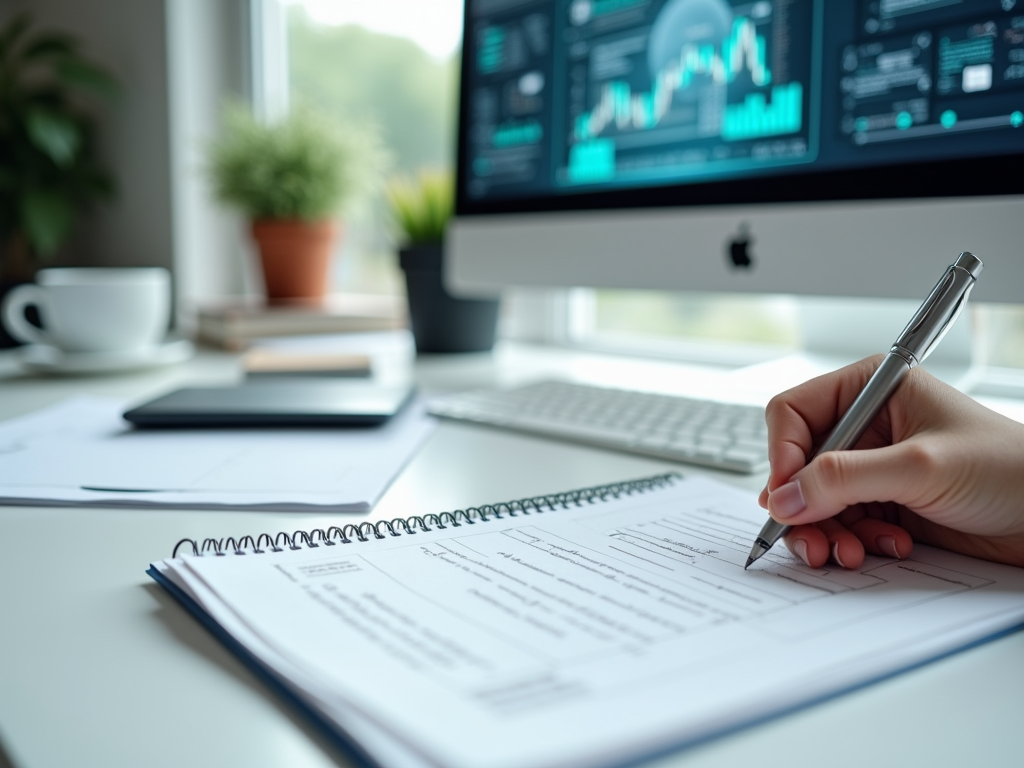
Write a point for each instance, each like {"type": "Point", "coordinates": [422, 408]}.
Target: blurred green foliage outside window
{"type": "Point", "coordinates": [391, 79]}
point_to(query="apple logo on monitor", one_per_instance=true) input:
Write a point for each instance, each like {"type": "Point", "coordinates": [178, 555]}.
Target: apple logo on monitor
{"type": "Point", "coordinates": [738, 249]}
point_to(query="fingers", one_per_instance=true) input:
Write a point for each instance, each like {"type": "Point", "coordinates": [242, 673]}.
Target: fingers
{"type": "Point", "coordinates": [798, 416]}
{"type": "Point", "coordinates": [882, 538]}
{"type": "Point", "coordinates": [829, 539]}
{"type": "Point", "coordinates": [846, 549]}
{"type": "Point", "coordinates": [809, 544]}
{"type": "Point", "coordinates": [836, 480]}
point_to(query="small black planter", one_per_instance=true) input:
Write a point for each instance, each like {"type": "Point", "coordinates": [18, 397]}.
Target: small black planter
{"type": "Point", "coordinates": [441, 322]}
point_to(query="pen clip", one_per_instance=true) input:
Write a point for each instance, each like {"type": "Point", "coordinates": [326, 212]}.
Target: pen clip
{"type": "Point", "coordinates": [939, 311]}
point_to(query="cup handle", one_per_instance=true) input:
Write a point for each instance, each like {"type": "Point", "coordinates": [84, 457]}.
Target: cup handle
{"type": "Point", "coordinates": [14, 314]}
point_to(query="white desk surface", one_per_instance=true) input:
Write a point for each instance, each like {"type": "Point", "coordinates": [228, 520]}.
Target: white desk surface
{"type": "Point", "coordinates": [100, 667]}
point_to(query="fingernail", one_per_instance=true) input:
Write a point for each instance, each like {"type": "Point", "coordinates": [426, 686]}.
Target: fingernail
{"type": "Point", "coordinates": [887, 544]}
{"type": "Point", "coordinates": [788, 500]}
{"type": "Point", "coordinates": [800, 549]}
{"type": "Point", "coordinates": [835, 554]}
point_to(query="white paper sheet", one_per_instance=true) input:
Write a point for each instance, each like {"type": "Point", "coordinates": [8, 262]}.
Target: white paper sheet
{"type": "Point", "coordinates": [80, 452]}
{"type": "Point", "coordinates": [593, 635]}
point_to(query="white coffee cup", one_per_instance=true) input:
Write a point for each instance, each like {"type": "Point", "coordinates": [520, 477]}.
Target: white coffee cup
{"type": "Point", "coordinates": [93, 309]}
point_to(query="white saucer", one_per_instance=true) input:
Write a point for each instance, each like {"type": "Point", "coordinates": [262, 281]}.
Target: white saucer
{"type": "Point", "coordinates": [52, 360]}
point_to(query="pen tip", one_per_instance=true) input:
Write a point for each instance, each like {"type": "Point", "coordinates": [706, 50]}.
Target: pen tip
{"type": "Point", "coordinates": [756, 552]}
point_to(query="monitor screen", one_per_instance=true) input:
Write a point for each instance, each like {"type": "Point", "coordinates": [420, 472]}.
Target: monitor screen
{"type": "Point", "coordinates": [721, 113]}
{"type": "Point", "coordinates": [573, 103]}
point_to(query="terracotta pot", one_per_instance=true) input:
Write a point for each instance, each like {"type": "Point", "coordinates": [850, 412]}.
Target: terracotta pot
{"type": "Point", "coordinates": [296, 257]}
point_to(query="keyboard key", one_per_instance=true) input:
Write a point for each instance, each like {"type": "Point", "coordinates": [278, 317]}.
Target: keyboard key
{"type": "Point", "coordinates": [752, 458]}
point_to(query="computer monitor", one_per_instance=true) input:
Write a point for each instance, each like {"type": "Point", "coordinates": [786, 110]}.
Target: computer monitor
{"type": "Point", "coordinates": [825, 147]}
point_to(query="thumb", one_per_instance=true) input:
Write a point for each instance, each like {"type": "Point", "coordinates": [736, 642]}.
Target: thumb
{"type": "Point", "coordinates": [836, 480]}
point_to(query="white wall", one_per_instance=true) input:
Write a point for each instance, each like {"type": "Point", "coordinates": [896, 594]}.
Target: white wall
{"type": "Point", "coordinates": [176, 61]}
{"type": "Point", "coordinates": [129, 38]}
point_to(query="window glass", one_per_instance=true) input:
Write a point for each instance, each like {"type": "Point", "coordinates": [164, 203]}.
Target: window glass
{"type": "Point", "coordinates": [393, 63]}
{"type": "Point", "coordinates": [1003, 333]}
{"type": "Point", "coordinates": [759, 320]}
{"type": "Point", "coordinates": [738, 318]}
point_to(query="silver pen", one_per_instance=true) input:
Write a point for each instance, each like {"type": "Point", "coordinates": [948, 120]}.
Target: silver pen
{"type": "Point", "coordinates": [925, 330]}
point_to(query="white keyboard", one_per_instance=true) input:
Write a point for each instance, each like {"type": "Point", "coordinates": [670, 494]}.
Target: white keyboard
{"type": "Point", "coordinates": [712, 434]}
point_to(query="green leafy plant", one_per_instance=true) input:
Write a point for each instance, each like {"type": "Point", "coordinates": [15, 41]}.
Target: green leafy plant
{"type": "Point", "coordinates": [49, 169]}
{"type": "Point", "coordinates": [422, 206]}
{"type": "Point", "coordinates": [304, 166]}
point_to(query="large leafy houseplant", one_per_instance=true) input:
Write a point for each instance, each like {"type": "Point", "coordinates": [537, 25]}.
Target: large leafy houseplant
{"type": "Point", "coordinates": [291, 178]}
{"type": "Point", "coordinates": [49, 168]}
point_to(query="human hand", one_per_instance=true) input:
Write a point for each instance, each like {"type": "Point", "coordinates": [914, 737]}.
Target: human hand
{"type": "Point", "coordinates": [934, 467]}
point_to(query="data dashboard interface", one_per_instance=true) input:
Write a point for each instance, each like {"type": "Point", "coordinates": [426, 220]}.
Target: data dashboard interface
{"type": "Point", "coordinates": [566, 98]}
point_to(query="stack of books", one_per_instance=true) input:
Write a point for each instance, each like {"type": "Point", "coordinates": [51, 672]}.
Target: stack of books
{"type": "Point", "coordinates": [235, 323]}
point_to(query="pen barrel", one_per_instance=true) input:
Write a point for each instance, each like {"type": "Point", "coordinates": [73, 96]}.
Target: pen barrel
{"type": "Point", "coordinates": [771, 532]}
{"type": "Point", "coordinates": [869, 402]}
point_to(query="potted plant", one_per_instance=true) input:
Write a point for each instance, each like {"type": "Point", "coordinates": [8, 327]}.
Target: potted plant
{"type": "Point", "coordinates": [50, 172]}
{"type": "Point", "coordinates": [291, 177]}
{"type": "Point", "coordinates": [422, 208]}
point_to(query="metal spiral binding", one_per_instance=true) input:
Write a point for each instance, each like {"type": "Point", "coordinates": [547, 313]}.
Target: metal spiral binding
{"type": "Point", "coordinates": [346, 534]}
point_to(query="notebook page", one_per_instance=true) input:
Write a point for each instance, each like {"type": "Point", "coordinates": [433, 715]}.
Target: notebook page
{"type": "Point", "coordinates": [607, 632]}
{"type": "Point", "coordinates": [378, 745]}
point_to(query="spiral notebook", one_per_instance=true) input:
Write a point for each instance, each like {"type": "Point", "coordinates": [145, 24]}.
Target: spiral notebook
{"type": "Point", "coordinates": [599, 627]}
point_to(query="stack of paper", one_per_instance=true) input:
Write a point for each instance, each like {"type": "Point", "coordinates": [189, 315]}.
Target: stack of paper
{"type": "Point", "coordinates": [82, 453]}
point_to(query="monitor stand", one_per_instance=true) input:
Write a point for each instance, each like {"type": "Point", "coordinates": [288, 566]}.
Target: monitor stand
{"type": "Point", "coordinates": [839, 331]}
